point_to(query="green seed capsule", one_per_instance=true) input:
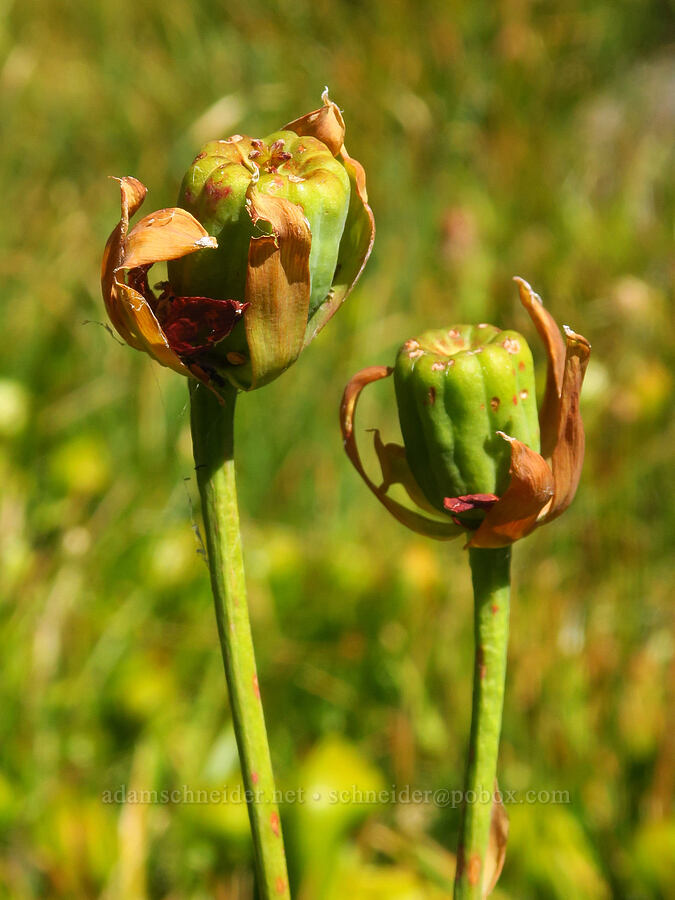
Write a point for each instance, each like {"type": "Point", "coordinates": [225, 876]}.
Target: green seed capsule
{"type": "Point", "coordinates": [299, 169]}
{"type": "Point", "coordinates": [455, 390]}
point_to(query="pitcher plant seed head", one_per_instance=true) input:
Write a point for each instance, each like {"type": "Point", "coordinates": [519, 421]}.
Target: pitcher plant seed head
{"type": "Point", "coordinates": [270, 237]}
{"type": "Point", "coordinates": [476, 455]}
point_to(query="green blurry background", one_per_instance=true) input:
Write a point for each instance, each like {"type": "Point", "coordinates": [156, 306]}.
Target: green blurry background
{"type": "Point", "coordinates": [499, 138]}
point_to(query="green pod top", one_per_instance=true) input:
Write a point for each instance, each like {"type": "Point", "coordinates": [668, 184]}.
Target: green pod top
{"type": "Point", "coordinates": [456, 389]}
{"type": "Point", "coordinates": [216, 190]}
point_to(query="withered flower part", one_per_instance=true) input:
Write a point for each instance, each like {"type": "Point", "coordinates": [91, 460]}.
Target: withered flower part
{"type": "Point", "coordinates": [472, 461]}
{"type": "Point", "coordinates": [173, 330]}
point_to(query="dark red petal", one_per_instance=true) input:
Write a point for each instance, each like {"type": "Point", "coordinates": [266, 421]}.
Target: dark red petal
{"type": "Point", "coordinates": [467, 502]}
{"type": "Point", "coordinates": [195, 324]}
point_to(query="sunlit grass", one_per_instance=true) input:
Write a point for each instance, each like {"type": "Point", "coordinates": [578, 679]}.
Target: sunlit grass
{"type": "Point", "coordinates": [498, 140]}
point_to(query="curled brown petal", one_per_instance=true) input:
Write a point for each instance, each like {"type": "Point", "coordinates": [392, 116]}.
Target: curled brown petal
{"type": "Point", "coordinates": [277, 286]}
{"type": "Point", "coordinates": [145, 332]}
{"type": "Point", "coordinates": [496, 850]}
{"type": "Point", "coordinates": [164, 235]}
{"type": "Point", "coordinates": [441, 531]}
{"type": "Point", "coordinates": [515, 514]}
{"type": "Point", "coordinates": [132, 194]}
{"type": "Point", "coordinates": [555, 352]}
{"type": "Point", "coordinates": [568, 454]}
{"type": "Point", "coordinates": [326, 124]}
{"type": "Point", "coordinates": [395, 470]}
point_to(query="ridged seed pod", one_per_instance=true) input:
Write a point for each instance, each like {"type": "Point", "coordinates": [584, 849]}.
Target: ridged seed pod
{"type": "Point", "coordinates": [475, 448]}
{"type": "Point", "coordinates": [216, 188]}
{"type": "Point", "coordinates": [455, 390]}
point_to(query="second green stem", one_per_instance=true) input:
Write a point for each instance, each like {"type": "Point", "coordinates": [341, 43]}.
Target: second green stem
{"type": "Point", "coordinates": [490, 570]}
{"type": "Point", "coordinates": [213, 443]}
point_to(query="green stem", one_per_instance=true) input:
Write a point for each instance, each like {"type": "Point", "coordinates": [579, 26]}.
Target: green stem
{"type": "Point", "coordinates": [213, 443]}
{"type": "Point", "coordinates": [490, 571]}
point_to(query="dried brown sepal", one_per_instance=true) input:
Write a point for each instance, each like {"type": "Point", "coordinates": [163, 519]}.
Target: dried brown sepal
{"type": "Point", "coordinates": [132, 194]}
{"type": "Point", "coordinates": [555, 352]}
{"type": "Point", "coordinates": [515, 514]}
{"type": "Point", "coordinates": [327, 125]}
{"type": "Point", "coordinates": [568, 453]}
{"type": "Point", "coordinates": [414, 521]}
{"type": "Point", "coordinates": [496, 850]}
{"type": "Point", "coordinates": [166, 234]}
{"type": "Point", "coordinates": [277, 286]}
{"type": "Point", "coordinates": [395, 470]}
{"type": "Point", "coordinates": [142, 330]}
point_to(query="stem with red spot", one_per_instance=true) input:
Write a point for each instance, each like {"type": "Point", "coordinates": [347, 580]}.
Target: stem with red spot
{"type": "Point", "coordinates": [490, 570]}
{"type": "Point", "coordinates": [213, 443]}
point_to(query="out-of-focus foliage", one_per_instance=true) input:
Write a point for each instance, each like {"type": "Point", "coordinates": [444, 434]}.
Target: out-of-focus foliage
{"type": "Point", "coordinates": [499, 139]}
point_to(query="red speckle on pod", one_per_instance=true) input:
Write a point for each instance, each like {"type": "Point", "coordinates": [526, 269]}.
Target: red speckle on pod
{"type": "Point", "coordinates": [494, 404]}
{"type": "Point", "coordinates": [254, 777]}
{"type": "Point", "coordinates": [494, 608]}
{"type": "Point", "coordinates": [217, 191]}
{"type": "Point", "coordinates": [514, 400]}
{"type": "Point", "coordinates": [280, 885]}
{"type": "Point", "coordinates": [256, 686]}
{"type": "Point", "coordinates": [274, 823]}
{"type": "Point", "coordinates": [521, 366]}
